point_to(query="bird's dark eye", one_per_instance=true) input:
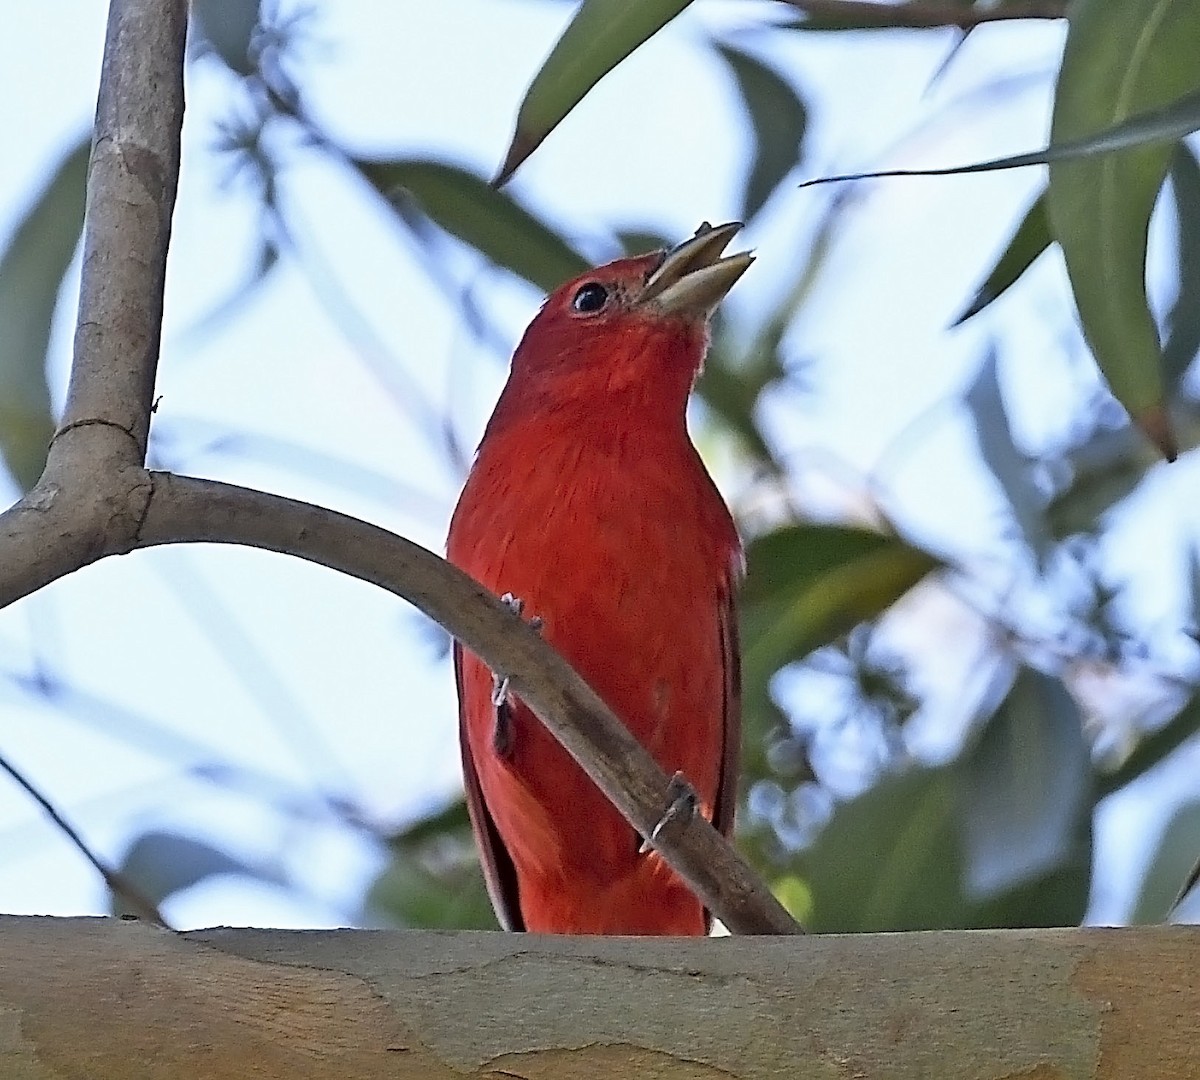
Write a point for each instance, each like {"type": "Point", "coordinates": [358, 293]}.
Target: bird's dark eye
{"type": "Point", "coordinates": [590, 297]}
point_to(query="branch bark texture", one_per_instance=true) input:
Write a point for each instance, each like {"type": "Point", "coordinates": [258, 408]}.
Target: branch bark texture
{"type": "Point", "coordinates": [185, 510]}
{"type": "Point", "coordinates": [96, 498]}
{"type": "Point", "coordinates": [132, 178]}
{"type": "Point", "coordinates": [105, 999]}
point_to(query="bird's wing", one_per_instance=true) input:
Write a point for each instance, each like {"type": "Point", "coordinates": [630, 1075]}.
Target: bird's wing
{"type": "Point", "coordinates": [498, 870]}
{"type": "Point", "coordinates": [727, 789]}
{"type": "Point", "coordinates": [731, 705]}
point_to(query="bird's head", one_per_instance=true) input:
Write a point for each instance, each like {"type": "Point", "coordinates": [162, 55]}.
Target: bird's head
{"type": "Point", "coordinates": [636, 328]}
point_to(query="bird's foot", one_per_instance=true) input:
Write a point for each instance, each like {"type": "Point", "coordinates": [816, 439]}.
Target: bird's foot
{"type": "Point", "coordinates": [517, 606]}
{"type": "Point", "coordinates": [500, 682]}
{"type": "Point", "coordinates": [502, 733]}
{"type": "Point", "coordinates": [682, 801]}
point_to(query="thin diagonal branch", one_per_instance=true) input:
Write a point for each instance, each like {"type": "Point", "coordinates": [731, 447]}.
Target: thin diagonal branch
{"type": "Point", "coordinates": [924, 14]}
{"type": "Point", "coordinates": [186, 510]}
{"type": "Point", "coordinates": [140, 904]}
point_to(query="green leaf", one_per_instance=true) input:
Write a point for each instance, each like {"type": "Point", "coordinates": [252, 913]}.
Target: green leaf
{"type": "Point", "coordinates": [733, 378]}
{"type": "Point", "coordinates": [451, 820]}
{"type": "Point", "coordinates": [876, 16]}
{"type": "Point", "coordinates": [1025, 791]}
{"type": "Point", "coordinates": [406, 894]}
{"type": "Point", "coordinates": [1120, 61]}
{"type": "Point", "coordinates": [161, 864]}
{"type": "Point", "coordinates": [1093, 493]}
{"type": "Point", "coordinates": [892, 859]}
{"type": "Point", "coordinates": [1166, 124]}
{"type": "Point", "coordinates": [642, 241]}
{"type": "Point", "coordinates": [600, 36]}
{"type": "Point", "coordinates": [1183, 320]}
{"type": "Point", "coordinates": [1152, 749]}
{"type": "Point", "coordinates": [433, 879]}
{"type": "Point", "coordinates": [1105, 469]}
{"type": "Point", "coordinates": [1174, 860]}
{"type": "Point", "coordinates": [805, 586]}
{"type": "Point", "coordinates": [228, 25]}
{"type": "Point", "coordinates": [1058, 898]}
{"type": "Point", "coordinates": [1011, 468]}
{"type": "Point", "coordinates": [808, 584]}
{"type": "Point", "coordinates": [889, 859]}
{"type": "Point", "coordinates": [731, 384]}
{"type": "Point", "coordinates": [31, 273]}
{"type": "Point", "coordinates": [909, 853]}
{"type": "Point", "coordinates": [1028, 242]}
{"type": "Point", "coordinates": [795, 895]}
{"type": "Point", "coordinates": [466, 207]}
{"type": "Point", "coordinates": [779, 118]}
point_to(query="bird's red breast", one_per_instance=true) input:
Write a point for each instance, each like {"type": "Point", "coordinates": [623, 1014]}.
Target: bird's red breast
{"type": "Point", "coordinates": [588, 501]}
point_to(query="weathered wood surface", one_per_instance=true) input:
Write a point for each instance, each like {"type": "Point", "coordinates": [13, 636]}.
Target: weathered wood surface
{"type": "Point", "coordinates": [101, 999]}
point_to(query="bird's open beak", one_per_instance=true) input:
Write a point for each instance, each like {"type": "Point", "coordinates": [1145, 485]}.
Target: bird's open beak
{"type": "Point", "coordinates": [694, 278]}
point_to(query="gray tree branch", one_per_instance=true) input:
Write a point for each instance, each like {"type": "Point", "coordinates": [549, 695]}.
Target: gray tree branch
{"type": "Point", "coordinates": [132, 177]}
{"type": "Point", "coordinates": [96, 499]}
{"type": "Point", "coordinates": [185, 510]}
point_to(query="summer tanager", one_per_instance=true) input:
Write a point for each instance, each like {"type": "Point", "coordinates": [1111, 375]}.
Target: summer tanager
{"type": "Point", "coordinates": [588, 503]}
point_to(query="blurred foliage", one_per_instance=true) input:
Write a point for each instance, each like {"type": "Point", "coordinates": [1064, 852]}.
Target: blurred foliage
{"type": "Point", "coordinates": [1183, 320]}
{"type": "Point", "coordinates": [807, 585]}
{"type": "Point", "coordinates": [779, 117]}
{"type": "Point", "coordinates": [996, 830]}
{"type": "Point", "coordinates": [601, 35]}
{"type": "Point", "coordinates": [165, 863]}
{"type": "Point", "coordinates": [1028, 242]}
{"type": "Point", "coordinates": [1099, 207]}
{"type": "Point", "coordinates": [488, 220]}
{"type": "Point", "coordinates": [433, 879]}
{"type": "Point", "coordinates": [1172, 865]}
{"type": "Point", "coordinates": [31, 270]}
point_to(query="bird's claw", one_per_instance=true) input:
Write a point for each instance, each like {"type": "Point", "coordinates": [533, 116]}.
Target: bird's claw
{"type": "Point", "coordinates": [502, 731]}
{"type": "Point", "coordinates": [500, 682]}
{"type": "Point", "coordinates": [502, 736]}
{"type": "Point", "coordinates": [682, 801]}
{"type": "Point", "coordinates": [517, 606]}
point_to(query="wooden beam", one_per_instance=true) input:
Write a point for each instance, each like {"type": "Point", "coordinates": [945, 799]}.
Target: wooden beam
{"type": "Point", "coordinates": [102, 999]}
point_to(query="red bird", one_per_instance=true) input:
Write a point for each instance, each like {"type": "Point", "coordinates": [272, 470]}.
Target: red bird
{"type": "Point", "coordinates": [588, 502]}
